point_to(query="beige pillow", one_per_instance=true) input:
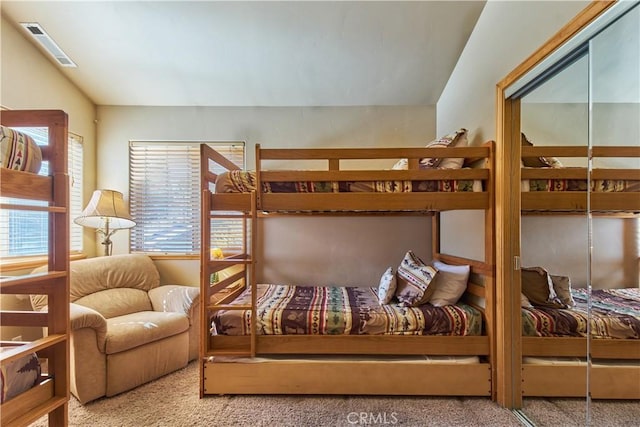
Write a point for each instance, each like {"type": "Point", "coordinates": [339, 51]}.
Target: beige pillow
{"type": "Point", "coordinates": [387, 286]}
{"type": "Point", "coordinates": [450, 283]}
{"type": "Point", "coordinates": [538, 288]}
{"type": "Point", "coordinates": [562, 286]}
{"type": "Point", "coordinates": [455, 139]}
{"type": "Point", "coordinates": [414, 279]}
{"type": "Point", "coordinates": [537, 162]}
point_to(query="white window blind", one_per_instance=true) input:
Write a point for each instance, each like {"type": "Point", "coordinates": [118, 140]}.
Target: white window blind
{"type": "Point", "coordinates": [25, 233]}
{"type": "Point", "coordinates": [164, 194]}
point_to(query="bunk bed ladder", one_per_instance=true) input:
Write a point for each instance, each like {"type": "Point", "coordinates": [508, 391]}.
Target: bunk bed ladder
{"type": "Point", "coordinates": [223, 277]}
{"type": "Point", "coordinates": [218, 294]}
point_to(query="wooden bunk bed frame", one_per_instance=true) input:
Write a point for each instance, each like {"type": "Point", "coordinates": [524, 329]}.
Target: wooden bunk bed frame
{"type": "Point", "coordinates": [576, 201]}
{"type": "Point", "coordinates": [607, 381]}
{"type": "Point", "coordinates": [51, 395]}
{"type": "Point", "coordinates": [342, 376]}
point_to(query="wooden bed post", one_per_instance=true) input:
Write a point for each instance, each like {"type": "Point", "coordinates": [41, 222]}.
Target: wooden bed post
{"type": "Point", "coordinates": [252, 273]}
{"type": "Point", "coordinates": [507, 236]}
{"type": "Point", "coordinates": [50, 395]}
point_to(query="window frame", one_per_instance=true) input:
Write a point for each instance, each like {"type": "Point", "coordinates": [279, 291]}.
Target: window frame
{"type": "Point", "coordinates": [144, 170]}
{"type": "Point", "coordinates": [75, 153]}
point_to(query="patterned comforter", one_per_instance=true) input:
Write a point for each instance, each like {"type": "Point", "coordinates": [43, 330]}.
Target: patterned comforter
{"type": "Point", "coordinates": [597, 185]}
{"type": "Point", "coordinates": [239, 181]}
{"type": "Point", "coordinates": [285, 310]}
{"type": "Point", "coordinates": [615, 313]}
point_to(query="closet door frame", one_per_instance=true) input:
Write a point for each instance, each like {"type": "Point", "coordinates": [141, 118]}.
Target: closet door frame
{"type": "Point", "coordinates": [507, 214]}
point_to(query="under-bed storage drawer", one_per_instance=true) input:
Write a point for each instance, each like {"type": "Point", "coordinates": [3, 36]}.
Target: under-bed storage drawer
{"type": "Point", "coordinates": [348, 377]}
{"type": "Point", "coordinates": [605, 381]}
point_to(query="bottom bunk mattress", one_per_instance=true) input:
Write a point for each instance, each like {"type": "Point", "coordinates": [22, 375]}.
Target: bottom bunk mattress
{"type": "Point", "coordinates": [18, 376]}
{"type": "Point", "coordinates": [615, 313]}
{"type": "Point", "coordinates": [315, 310]}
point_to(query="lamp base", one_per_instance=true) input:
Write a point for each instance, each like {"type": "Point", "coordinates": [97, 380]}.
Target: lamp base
{"type": "Point", "coordinates": [108, 247]}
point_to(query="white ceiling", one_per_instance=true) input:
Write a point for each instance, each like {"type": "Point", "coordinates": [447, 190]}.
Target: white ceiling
{"type": "Point", "coordinates": [261, 53]}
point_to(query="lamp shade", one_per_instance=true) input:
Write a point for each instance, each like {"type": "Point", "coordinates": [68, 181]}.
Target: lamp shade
{"type": "Point", "coordinates": [106, 204]}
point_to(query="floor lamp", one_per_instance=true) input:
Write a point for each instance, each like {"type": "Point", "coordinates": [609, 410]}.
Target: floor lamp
{"type": "Point", "coordinates": [107, 213]}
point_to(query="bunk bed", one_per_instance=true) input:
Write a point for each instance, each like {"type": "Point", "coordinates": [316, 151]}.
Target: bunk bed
{"type": "Point", "coordinates": [554, 343]}
{"type": "Point", "coordinates": [48, 357]}
{"type": "Point", "coordinates": [564, 189]}
{"type": "Point", "coordinates": [315, 361]}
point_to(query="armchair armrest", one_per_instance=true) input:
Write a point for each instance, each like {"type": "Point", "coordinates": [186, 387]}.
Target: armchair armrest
{"type": "Point", "coordinates": [85, 317]}
{"type": "Point", "coordinates": [176, 298]}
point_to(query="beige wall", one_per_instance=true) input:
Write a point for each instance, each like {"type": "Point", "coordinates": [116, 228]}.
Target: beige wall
{"type": "Point", "coordinates": [300, 250]}
{"type": "Point", "coordinates": [28, 80]}
{"type": "Point", "coordinates": [497, 45]}
{"type": "Point", "coordinates": [506, 33]}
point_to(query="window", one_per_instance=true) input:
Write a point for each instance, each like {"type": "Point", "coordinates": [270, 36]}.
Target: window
{"type": "Point", "coordinates": [164, 192]}
{"type": "Point", "coordinates": [25, 233]}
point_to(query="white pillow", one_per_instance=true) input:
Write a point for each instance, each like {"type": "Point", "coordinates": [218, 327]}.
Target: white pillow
{"type": "Point", "coordinates": [387, 287]}
{"type": "Point", "coordinates": [455, 139]}
{"type": "Point", "coordinates": [450, 283]}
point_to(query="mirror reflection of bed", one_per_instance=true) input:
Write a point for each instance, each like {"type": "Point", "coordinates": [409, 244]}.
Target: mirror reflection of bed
{"type": "Point", "coordinates": [580, 224]}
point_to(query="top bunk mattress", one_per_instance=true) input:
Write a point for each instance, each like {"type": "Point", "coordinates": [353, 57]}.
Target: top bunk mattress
{"type": "Point", "coordinates": [238, 181]}
{"type": "Point", "coordinates": [582, 185]}
{"type": "Point", "coordinates": [317, 310]}
{"type": "Point", "coordinates": [615, 313]}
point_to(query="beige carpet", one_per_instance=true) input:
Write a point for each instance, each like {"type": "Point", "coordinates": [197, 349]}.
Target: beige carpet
{"type": "Point", "coordinates": [173, 401]}
{"type": "Point", "coordinates": [573, 412]}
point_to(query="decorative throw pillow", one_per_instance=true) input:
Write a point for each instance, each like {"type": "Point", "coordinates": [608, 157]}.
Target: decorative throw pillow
{"type": "Point", "coordinates": [19, 151]}
{"type": "Point", "coordinates": [455, 139]}
{"type": "Point", "coordinates": [562, 286]}
{"type": "Point", "coordinates": [538, 162]}
{"type": "Point", "coordinates": [387, 287]}
{"type": "Point", "coordinates": [538, 287]}
{"type": "Point", "coordinates": [450, 283]}
{"type": "Point", "coordinates": [414, 278]}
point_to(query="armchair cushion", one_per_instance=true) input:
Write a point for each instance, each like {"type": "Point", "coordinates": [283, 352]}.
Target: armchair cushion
{"type": "Point", "coordinates": [92, 276]}
{"type": "Point", "coordinates": [117, 302]}
{"type": "Point", "coordinates": [132, 271]}
{"type": "Point", "coordinates": [137, 329]}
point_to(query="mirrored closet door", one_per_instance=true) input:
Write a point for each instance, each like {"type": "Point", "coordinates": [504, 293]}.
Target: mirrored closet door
{"type": "Point", "coordinates": [568, 266]}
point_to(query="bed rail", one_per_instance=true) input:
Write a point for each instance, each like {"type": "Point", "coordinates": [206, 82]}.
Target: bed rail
{"type": "Point", "coordinates": [404, 196]}
{"type": "Point", "coordinates": [600, 198]}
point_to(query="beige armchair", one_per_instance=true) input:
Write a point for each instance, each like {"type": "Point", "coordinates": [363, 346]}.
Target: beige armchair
{"type": "Point", "coordinates": [126, 329]}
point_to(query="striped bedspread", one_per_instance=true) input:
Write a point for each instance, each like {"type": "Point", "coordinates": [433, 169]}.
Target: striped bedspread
{"type": "Point", "coordinates": [615, 313]}
{"type": "Point", "coordinates": [239, 181]}
{"type": "Point", "coordinates": [285, 310]}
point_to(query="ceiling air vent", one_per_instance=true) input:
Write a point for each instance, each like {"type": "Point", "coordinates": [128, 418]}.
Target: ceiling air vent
{"type": "Point", "coordinates": [41, 36]}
